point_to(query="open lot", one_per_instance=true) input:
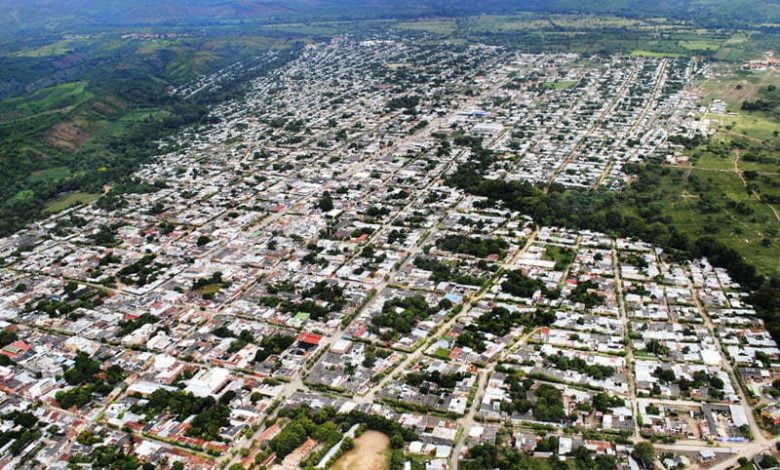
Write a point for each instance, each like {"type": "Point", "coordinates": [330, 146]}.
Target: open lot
{"type": "Point", "coordinates": [370, 453]}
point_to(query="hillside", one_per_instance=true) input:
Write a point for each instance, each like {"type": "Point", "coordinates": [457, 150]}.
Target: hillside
{"type": "Point", "coordinates": [77, 114]}
{"type": "Point", "coordinates": [37, 15]}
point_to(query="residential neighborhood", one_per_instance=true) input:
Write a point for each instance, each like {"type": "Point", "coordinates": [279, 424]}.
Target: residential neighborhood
{"type": "Point", "coordinates": [301, 270]}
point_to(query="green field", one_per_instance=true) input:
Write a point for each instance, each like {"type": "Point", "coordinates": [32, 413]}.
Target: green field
{"type": "Point", "coordinates": [560, 85]}
{"type": "Point", "coordinates": [52, 174]}
{"type": "Point", "coordinates": [67, 200]}
{"type": "Point", "coordinates": [445, 27]}
{"type": "Point", "coordinates": [649, 37]}
{"type": "Point", "coordinates": [57, 48]}
{"type": "Point", "coordinates": [655, 54]}
{"type": "Point", "coordinates": [732, 185]}
{"type": "Point", "coordinates": [57, 98]}
{"type": "Point", "coordinates": [701, 45]}
{"type": "Point", "coordinates": [751, 126]}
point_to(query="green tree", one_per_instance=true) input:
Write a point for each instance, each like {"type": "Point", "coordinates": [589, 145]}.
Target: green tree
{"type": "Point", "coordinates": [325, 204]}
{"type": "Point", "coordinates": [644, 454]}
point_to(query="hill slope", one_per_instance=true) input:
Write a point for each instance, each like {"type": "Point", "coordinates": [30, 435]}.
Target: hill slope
{"type": "Point", "coordinates": [55, 15]}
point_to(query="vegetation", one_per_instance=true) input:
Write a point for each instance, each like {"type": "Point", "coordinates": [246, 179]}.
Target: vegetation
{"type": "Point", "coordinates": [209, 414]}
{"type": "Point", "coordinates": [474, 246]}
{"type": "Point", "coordinates": [210, 286]}
{"type": "Point", "coordinates": [305, 424]}
{"type": "Point", "coordinates": [382, 424]}
{"type": "Point", "coordinates": [87, 378]}
{"type": "Point", "coordinates": [7, 337]}
{"type": "Point", "coordinates": [244, 338]}
{"type": "Point", "coordinates": [498, 321]}
{"type": "Point", "coordinates": [520, 285]}
{"type": "Point", "coordinates": [444, 273]}
{"type": "Point", "coordinates": [595, 371]}
{"type": "Point", "coordinates": [128, 326]}
{"type": "Point", "coordinates": [562, 256]}
{"type": "Point", "coordinates": [273, 345]}
{"type": "Point", "coordinates": [603, 402]}
{"type": "Point", "coordinates": [586, 293]}
{"type": "Point", "coordinates": [423, 380]}
{"type": "Point", "coordinates": [107, 457]}
{"type": "Point", "coordinates": [546, 405]}
{"type": "Point", "coordinates": [700, 379]}
{"type": "Point", "coordinates": [489, 457]}
{"type": "Point", "coordinates": [644, 454]}
{"type": "Point", "coordinates": [25, 430]}
{"type": "Point", "coordinates": [636, 212]}
{"type": "Point", "coordinates": [400, 314]}
{"type": "Point", "coordinates": [74, 297]}
{"type": "Point", "coordinates": [318, 301]}
{"type": "Point", "coordinates": [77, 117]}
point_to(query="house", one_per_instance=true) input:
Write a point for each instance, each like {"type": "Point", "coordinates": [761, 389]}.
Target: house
{"type": "Point", "coordinates": [771, 413]}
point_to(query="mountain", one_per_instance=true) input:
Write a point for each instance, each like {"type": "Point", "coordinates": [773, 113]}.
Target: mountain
{"type": "Point", "coordinates": [56, 16]}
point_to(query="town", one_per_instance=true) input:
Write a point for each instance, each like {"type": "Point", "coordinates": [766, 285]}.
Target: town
{"type": "Point", "coordinates": [299, 275]}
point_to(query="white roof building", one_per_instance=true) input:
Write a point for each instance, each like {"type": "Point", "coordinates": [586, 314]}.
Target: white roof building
{"type": "Point", "coordinates": [208, 382]}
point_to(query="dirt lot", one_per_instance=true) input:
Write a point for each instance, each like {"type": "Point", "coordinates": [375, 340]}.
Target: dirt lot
{"type": "Point", "coordinates": [370, 453]}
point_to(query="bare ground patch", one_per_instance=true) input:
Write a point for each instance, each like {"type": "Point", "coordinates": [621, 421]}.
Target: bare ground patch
{"type": "Point", "coordinates": [369, 453]}
{"type": "Point", "coordinates": [66, 135]}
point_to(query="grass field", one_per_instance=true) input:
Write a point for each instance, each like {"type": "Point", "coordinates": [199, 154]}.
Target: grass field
{"type": "Point", "coordinates": [326, 28]}
{"type": "Point", "coordinates": [57, 98]}
{"type": "Point", "coordinates": [702, 202]}
{"type": "Point", "coordinates": [66, 200]}
{"type": "Point", "coordinates": [445, 27]}
{"type": "Point", "coordinates": [734, 85]}
{"type": "Point", "coordinates": [710, 161]}
{"type": "Point", "coordinates": [560, 85]}
{"type": "Point", "coordinates": [57, 48]}
{"type": "Point", "coordinates": [655, 54]}
{"type": "Point", "coordinates": [720, 192]}
{"type": "Point", "coordinates": [650, 37]}
{"type": "Point", "coordinates": [51, 174]}
{"type": "Point", "coordinates": [737, 39]}
{"type": "Point", "coordinates": [142, 115]}
{"type": "Point", "coordinates": [24, 195]}
{"type": "Point", "coordinates": [750, 126]}
{"type": "Point", "coordinates": [701, 45]}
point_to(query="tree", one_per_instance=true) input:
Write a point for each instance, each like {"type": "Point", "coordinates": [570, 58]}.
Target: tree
{"type": "Point", "coordinates": [768, 461]}
{"type": "Point", "coordinates": [292, 436]}
{"type": "Point", "coordinates": [549, 404]}
{"type": "Point", "coordinates": [396, 441]}
{"type": "Point", "coordinates": [7, 337]}
{"type": "Point", "coordinates": [104, 236]}
{"type": "Point", "coordinates": [325, 204]}
{"type": "Point", "coordinates": [644, 454]}
{"type": "Point", "coordinates": [348, 444]}
{"type": "Point", "coordinates": [76, 396]}
{"type": "Point", "coordinates": [664, 375]}
{"type": "Point", "coordinates": [83, 370]}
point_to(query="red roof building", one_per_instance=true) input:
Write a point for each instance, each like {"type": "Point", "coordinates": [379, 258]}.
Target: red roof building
{"type": "Point", "coordinates": [15, 349]}
{"type": "Point", "coordinates": [309, 338]}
